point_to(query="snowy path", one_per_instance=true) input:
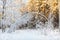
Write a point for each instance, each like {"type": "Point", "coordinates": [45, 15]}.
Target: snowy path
{"type": "Point", "coordinates": [30, 35]}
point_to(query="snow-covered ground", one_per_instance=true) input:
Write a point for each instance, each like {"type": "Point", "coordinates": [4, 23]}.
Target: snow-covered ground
{"type": "Point", "coordinates": [32, 34]}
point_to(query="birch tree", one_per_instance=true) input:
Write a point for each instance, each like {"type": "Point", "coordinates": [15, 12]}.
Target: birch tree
{"type": "Point", "coordinates": [3, 13]}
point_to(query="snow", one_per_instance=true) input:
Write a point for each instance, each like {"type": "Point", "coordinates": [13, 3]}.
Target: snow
{"type": "Point", "coordinates": [32, 34]}
{"type": "Point", "coordinates": [21, 21]}
{"type": "Point", "coordinates": [11, 12]}
{"type": "Point", "coordinates": [14, 19]}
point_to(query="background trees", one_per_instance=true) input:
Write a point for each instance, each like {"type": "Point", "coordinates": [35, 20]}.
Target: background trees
{"type": "Point", "coordinates": [43, 12]}
{"type": "Point", "coordinates": [44, 8]}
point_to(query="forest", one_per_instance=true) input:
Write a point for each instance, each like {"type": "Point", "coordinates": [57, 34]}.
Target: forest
{"type": "Point", "coordinates": [29, 19]}
{"type": "Point", "coordinates": [34, 14]}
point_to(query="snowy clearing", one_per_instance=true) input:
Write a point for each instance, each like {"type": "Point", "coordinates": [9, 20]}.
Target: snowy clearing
{"type": "Point", "coordinates": [32, 34]}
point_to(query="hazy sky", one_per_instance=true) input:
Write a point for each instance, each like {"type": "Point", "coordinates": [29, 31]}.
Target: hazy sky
{"type": "Point", "coordinates": [25, 1]}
